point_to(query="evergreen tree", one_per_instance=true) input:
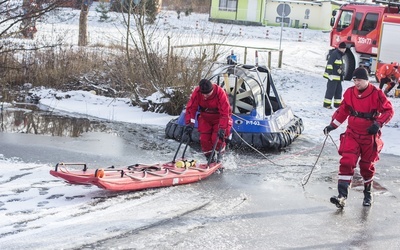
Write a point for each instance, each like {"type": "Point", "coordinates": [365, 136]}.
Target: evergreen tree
{"type": "Point", "coordinates": [103, 9]}
{"type": "Point", "coordinates": [151, 10]}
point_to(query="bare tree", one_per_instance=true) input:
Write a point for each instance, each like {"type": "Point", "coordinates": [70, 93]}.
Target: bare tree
{"type": "Point", "coordinates": [150, 64]}
{"type": "Point", "coordinates": [83, 33]}
{"type": "Point", "coordinates": [20, 16]}
{"type": "Point", "coordinates": [17, 20]}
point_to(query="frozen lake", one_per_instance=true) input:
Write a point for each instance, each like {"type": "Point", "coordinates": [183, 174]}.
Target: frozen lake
{"type": "Point", "coordinates": [256, 202]}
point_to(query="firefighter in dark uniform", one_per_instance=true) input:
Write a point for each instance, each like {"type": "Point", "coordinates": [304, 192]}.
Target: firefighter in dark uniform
{"type": "Point", "coordinates": [334, 74]}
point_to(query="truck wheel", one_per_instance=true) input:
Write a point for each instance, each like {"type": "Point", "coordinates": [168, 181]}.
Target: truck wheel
{"type": "Point", "coordinates": [349, 66]}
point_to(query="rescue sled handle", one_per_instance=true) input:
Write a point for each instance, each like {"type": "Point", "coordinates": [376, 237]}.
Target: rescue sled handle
{"type": "Point", "coordinates": [213, 151]}
{"type": "Point", "coordinates": [111, 168]}
{"type": "Point", "coordinates": [71, 164]}
{"type": "Point", "coordinates": [180, 144]}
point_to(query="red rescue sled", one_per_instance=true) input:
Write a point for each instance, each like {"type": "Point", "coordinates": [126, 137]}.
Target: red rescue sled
{"type": "Point", "coordinates": [138, 176]}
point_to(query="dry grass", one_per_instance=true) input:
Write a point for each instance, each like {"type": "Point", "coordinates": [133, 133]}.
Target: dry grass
{"type": "Point", "coordinates": [106, 70]}
{"type": "Point", "coordinates": [134, 71]}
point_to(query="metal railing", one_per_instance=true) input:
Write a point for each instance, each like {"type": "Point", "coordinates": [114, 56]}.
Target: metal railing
{"type": "Point", "coordinates": [216, 46]}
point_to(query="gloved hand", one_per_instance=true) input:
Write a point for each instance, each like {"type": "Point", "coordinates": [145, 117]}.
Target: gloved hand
{"type": "Point", "coordinates": [328, 129]}
{"type": "Point", "coordinates": [189, 128]}
{"type": "Point", "coordinates": [221, 133]}
{"type": "Point", "coordinates": [373, 129]}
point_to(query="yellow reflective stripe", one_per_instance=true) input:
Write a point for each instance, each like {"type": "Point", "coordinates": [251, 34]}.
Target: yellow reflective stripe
{"type": "Point", "coordinates": [333, 77]}
{"type": "Point", "coordinates": [338, 62]}
{"type": "Point", "coordinates": [329, 66]}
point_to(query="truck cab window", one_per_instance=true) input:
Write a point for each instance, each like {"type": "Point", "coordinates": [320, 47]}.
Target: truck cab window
{"type": "Point", "coordinates": [345, 20]}
{"type": "Point", "coordinates": [357, 20]}
{"type": "Point", "coordinates": [370, 22]}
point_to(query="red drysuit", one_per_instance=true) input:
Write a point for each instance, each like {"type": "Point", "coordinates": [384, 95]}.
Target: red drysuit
{"type": "Point", "coordinates": [388, 70]}
{"type": "Point", "coordinates": [388, 74]}
{"type": "Point", "coordinates": [215, 113]}
{"type": "Point", "coordinates": [362, 109]}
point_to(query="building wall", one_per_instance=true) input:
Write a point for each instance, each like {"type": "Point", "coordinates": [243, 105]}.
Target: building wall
{"type": "Point", "coordinates": [219, 14]}
{"type": "Point", "coordinates": [241, 14]}
{"type": "Point", "coordinates": [315, 15]}
{"type": "Point", "coordinates": [242, 10]}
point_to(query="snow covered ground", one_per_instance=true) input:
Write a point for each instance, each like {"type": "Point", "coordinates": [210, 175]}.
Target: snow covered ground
{"type": "Point", "coordinates": [27, 219]}
{"type": "Point", "coordinates": [299, 80]}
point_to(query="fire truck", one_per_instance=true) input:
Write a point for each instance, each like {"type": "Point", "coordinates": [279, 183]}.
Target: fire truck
{"type": "Point", "coordinates": [371, 33]}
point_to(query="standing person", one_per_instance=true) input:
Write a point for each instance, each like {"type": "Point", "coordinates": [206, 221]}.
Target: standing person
{"type": "Point", "coordinates": [367, 110]}
{"type": "Point", "coordinates": [231, 59]}
{"type": "Point", "coordinates": [388, 74]}
{"type": "Point", "coordinates": [214, 120]}
{"type": "Point", "coordinates": [334, 74]}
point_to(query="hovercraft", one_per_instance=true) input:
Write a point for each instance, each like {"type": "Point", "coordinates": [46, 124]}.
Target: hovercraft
{"type": "Point", "coordinates": [260, 117]}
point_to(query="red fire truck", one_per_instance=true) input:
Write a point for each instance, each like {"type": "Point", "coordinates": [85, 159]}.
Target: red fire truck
{"type": "Point", "coordinates": [370, 31]}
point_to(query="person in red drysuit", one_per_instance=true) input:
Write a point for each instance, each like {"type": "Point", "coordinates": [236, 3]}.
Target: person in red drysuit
{"type": "Point", "coordinates": [388, 74]}
{"type": "Point", "coordinates": [367, 110]}
{"type": "Point", "coordinates": [214, 120]}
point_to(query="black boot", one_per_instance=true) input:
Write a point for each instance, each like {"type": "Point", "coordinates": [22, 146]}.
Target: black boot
{"type": "Point", "coordinates": [210, 158]}
{"type": "Point", "coordinates": [389, 88]}
{"type": "Point", "coordinates": [340, 200]}
{"type": "Point", "coordinates": [367, 195]}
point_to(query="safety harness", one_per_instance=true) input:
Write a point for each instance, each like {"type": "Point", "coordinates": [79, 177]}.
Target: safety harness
{"type": "Point", "coordinates": [368, 116]}
{"type": "Point", "coordinates": [209, 110]}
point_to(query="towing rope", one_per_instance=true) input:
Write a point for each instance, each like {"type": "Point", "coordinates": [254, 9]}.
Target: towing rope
{"type": "Point", "coordinates": [258, 151]}
{"type": "Point", "coordinates": [274, 163]}
{"type": "Point", "coordinates": [166, 172]}
{"type": "Point", "coordinates": [319, 155]}
{"type": "Point", "coordinates": [134, 177]}
{"type": "Point", "coordinates": [157, 174]}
